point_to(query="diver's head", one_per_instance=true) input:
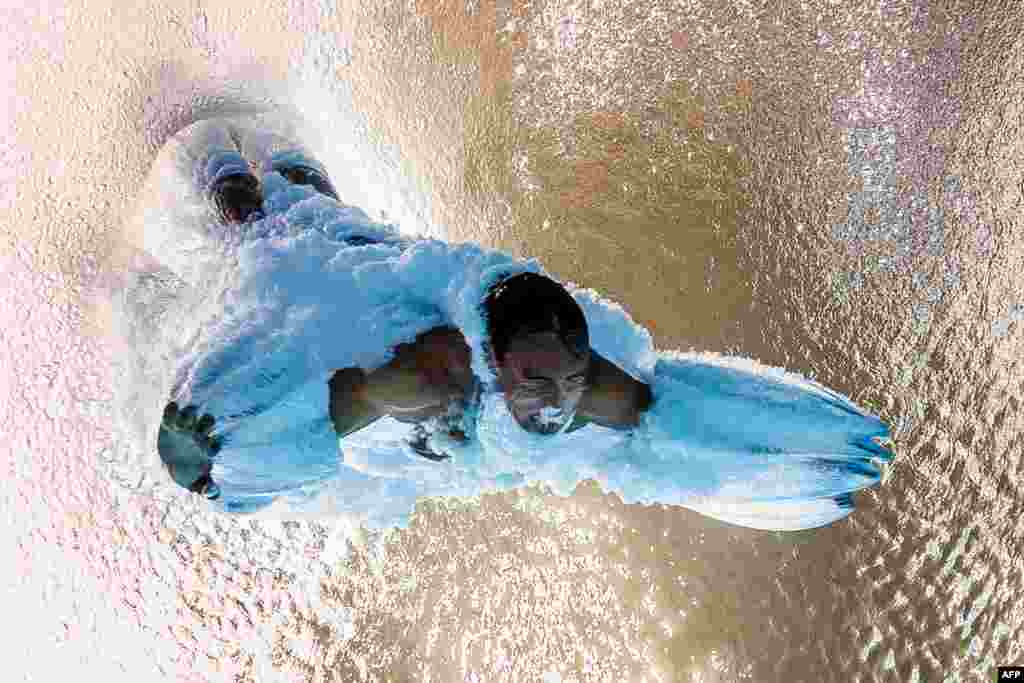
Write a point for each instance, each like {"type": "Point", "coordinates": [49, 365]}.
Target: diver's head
{"type": "Point", "coordinates": [540, 348]}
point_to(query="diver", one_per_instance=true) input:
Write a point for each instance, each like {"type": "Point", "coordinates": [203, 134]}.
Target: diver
{"type": "Point", "coordinates": [538, 343]}
{"type": "Point", "coordinates": [551, 379]}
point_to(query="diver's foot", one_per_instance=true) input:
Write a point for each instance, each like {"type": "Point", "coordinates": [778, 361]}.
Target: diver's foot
{"type": "Point", "coordinates": [307, 175]}
{"type": "Point", "coordinates": [237, 198]}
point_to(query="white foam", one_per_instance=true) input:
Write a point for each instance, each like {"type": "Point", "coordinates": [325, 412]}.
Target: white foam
{"type": "Point", "coordinates": [262, 315]}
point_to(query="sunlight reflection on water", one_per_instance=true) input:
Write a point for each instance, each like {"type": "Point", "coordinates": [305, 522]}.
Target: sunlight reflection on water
{"type": "Point", "coordinates": [496, 135]}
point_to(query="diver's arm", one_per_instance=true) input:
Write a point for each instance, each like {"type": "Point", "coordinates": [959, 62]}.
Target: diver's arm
{"type": "Point", "coordinates": [359, 399]}
{"type": "Point", "coordinates": [613, 399]}
{"type": "Point", "coordinates": [424, 376]}
{"type": "Point", "coordinates": [418, 383]}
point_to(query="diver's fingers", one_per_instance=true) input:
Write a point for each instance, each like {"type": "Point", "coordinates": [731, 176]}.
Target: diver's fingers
{"type": "Point", "coordinates": [187, 417]}
{"type": "Point", "coordinates": [170, 413]}
{"type": "Point", "coordinates": [205, 424]}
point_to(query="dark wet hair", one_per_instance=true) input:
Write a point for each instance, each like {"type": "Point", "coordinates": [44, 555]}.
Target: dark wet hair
{"type": "Point", "coordinates": [528, 303]}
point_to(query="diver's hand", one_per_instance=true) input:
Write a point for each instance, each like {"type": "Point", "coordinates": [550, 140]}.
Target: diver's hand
{"type": "Point", "coordinates": [187, 449]}
{"type": "Point", "coordinates": [184, 422]}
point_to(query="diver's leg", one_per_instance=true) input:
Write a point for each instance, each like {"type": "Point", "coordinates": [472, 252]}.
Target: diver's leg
{"type": "Point", "coordinates": [271, 142]}
{"type": "Point", "coordinates": [304, 173]}
{"type": "Point", "coordinates": [230, 185]}
{"type": "Point", "coordinates": [181, 218]}
{"type": "Point", "coordinates": [236, 198]}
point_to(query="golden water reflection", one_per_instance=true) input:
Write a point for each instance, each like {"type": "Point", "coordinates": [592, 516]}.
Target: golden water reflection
{"type": "Point", "coordinates": [720, 169]}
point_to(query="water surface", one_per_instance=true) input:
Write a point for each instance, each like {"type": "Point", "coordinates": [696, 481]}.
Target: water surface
{"type": "Point", "coordinates": [833, 188]}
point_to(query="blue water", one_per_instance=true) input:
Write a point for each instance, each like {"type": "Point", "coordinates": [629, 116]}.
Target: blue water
{"type": "Point", "coordinates": [248, 323]}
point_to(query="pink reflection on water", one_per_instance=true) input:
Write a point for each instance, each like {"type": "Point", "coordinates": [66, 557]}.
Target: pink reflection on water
{"type": "Point", "coordinates": [910, 96]}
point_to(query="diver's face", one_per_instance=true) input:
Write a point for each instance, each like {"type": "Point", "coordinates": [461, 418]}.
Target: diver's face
{"type": "Point", "coordinates": [543, 381]}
